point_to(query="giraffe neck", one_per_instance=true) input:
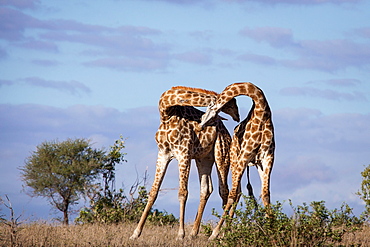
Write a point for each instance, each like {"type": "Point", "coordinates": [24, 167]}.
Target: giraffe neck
{"type": "Point", "coordinates": [245, 88]}
{"type": "Point", "coordinates": [184, 96]}
{"type": "Point", "coordinates": [260, 104]}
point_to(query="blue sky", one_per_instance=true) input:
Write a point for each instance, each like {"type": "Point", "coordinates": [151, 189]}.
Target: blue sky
{"type": "Point", "coordinates": [96, 69]}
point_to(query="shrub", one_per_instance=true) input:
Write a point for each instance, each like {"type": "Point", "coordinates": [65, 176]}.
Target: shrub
{"type": "Point", "coordinates": [309, 225]}
{"type": "Point", "coordinates": [107, 205]}
{"type": "Point", "coordinates": [115, 208]}
{"type": "Point", "coordinates": [364, 193]}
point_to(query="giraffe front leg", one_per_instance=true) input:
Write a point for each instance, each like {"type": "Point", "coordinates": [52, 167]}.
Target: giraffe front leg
{"type": "Point", "coordinates": [233, 198]}
{"type": "Point", "coordinates": [184, 168]}
{"type": "Point", "coordinates": [217, 229]}
{"type": "Point", "coordinates": [204, 171]}
{"type": "Point", "coordinates": [161, 167]}
{"type": "Point", "coordinates": [228, 211]}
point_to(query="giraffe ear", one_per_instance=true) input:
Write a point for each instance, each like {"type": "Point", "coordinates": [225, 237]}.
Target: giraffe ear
{"type": "Point", "coordinates": [222, 118]}
{"type": "Point", "coordinates": [198, 127]}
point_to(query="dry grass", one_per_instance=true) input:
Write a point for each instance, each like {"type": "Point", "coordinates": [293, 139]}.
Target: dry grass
{"type": "Point", "coordinates": [358, 238]}
{"type": "Point", "coordinates": [41, 234]}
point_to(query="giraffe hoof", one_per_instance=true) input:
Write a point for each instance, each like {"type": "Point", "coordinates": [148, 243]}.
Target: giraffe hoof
{"type": "Point", "coordinates": [180, 237]}
{"type": "Point", "coordinates": [133, 237]}
{"type": "Point", "coordinates": [192, 236]}
{"type": "Point", "coordinates": [212, 237]}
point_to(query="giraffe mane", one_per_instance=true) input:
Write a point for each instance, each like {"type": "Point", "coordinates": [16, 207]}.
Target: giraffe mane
{"type": "Point", "coordinates": [198, 90]}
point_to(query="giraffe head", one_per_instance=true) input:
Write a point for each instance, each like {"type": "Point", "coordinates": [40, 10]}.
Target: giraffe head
{"type": "Point", "coordinates": [210, 113]}
{"type": "Point", "coordinates": [231, 108]}
{"type": "Point", "coordinates": [213, 109]}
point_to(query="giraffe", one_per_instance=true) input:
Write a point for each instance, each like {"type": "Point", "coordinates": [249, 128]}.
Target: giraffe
{"type": "Point", "coordinates": [179, 138]}
{"type": "Point", "coordinates": [253, 143]}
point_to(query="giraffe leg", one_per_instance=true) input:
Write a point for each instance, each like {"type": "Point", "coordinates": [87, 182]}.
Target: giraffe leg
{"type": "Point", "coordinates": [161, 167]}
{"type": "Point", "coordinates": [249, 185]}
{"type": "Point", "coordinates": [204, 170]}
{"type": "Point", "coordinates": [223, 187]}
{"type": "Point", "coordinates": [222, 158]}
{"type": "Point", "coordinates": [250, 189]}
{"type": "Point", "coordinates": [233, 198]}
{"type": "Point", "coordinates": [184, 168]}
{"type": "Point", "coordinates": [264, 172]}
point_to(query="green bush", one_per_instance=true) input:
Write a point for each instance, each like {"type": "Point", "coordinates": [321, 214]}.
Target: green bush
{"type": "Point", "coordinates": [309, 225]}
{"type": "Point", "coordinates": [115, 208]}
{"type": "Point", "coordinates": [107, 205]}
{"type": "Point", "coordinates": [364, 192]}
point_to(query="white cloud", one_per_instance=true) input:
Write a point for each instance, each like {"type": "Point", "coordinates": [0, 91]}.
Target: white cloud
{"type": "Point", "coordinates": [21, 4]}
{"type": "Point", "coordinates": [123, 48]}
{"type": "Point", "coordinates": [329, 94]}
{"type": "Point", "coordinates": [275, 36]}
{"type": "Point", "coordinates": [195, 57]}
{"type": "Point", "coordinates": [258, 59]}
{"type": "Point", "coordinates": [73, 87]}
{"type": "Point", "coordinates": [326, 55]}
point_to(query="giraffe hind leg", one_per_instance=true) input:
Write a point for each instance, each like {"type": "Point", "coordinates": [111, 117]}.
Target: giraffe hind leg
{"type": "Point", "coordinates": [249, 185]}
{"type": "Point", "coordinates": [222, 186]}
{"type": "Point", "coordinates": [222, 158]}
{"type": "Point", "coordinates": [264, 172]}
{"type": "Point", "coordinates": [250, 189]}
{"type": "Point", "coordinates": [204, 170]}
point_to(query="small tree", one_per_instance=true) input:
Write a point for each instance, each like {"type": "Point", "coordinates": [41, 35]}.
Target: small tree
{"type": "Point", "coordinates": [13, 224]}
{"type": "Point", "coordinates": [62, 171]}
{"type": "Point", "coordinates": [108, 205]}
{"type": "Point", "coordinates": [365, 190]}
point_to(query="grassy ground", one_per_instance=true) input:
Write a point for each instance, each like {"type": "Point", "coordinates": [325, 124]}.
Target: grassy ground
{"type": "Point", "coordinates": [359, 238]}
{"type": "Point", "coordinates": [40, 234]}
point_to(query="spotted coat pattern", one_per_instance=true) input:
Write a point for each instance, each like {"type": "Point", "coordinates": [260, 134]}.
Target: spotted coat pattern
{"type": "Point", "coordinates": [178, 137]}
{"type": "Point", "coordinates": [253, 143]}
